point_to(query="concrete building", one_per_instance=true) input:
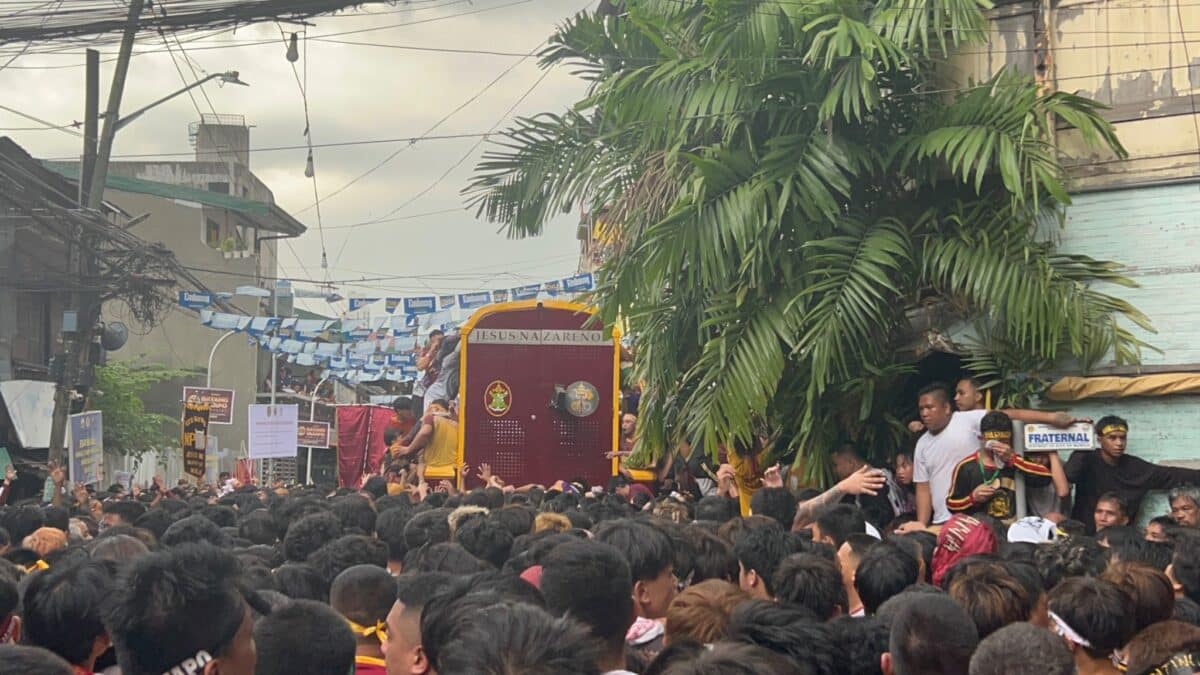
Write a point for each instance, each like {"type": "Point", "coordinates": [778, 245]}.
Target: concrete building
{"type": "Point", "coordinates": [223, 225]}
{"type": "Point", "coordinates": [1143, 61]}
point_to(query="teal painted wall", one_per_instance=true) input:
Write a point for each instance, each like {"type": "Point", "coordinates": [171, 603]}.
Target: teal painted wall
{"type": "Point", "coordinates": [1156, 232]}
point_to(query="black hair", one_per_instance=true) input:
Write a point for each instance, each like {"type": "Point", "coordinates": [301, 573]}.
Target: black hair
{"type": "Point", "coordinates": [683, 654]}
{"type": "Point", "coordinates": [1156, 554]}
{"type": "Point", "coordinates": [402, 403]}
{"type": "Point", "coordinates": [356, 513]}
{"type": "Point", "coordinates": [812, 582]}
{"type": "Point", "coordinates": [439, 402]}
{"type": "Point", "coordinates": [376, 486]}
{"type": "Point", "coordinates": [777, 503]}
{"type": "Point", "coordinates": [57, 517]}
{"type": "Point", "coordinates": [364, 594]}
{"type": "Point", "coordinates": [761, 550]}
{"type": "Point", "coordinates": [1187, 611]}
{"type": "Point", "coordinates": [884, 571]}
{"type": "Point", "coordinates": [258, 527]}
{"type": "Point", "coordinates": [1040, 652]}
{"type": "Point", "coordinates": [10, 598]}
{"type": "Point", "coordinates": [169, 606]}
{"type": "Point", "coordinates": [1185, 566]}
{"type": "Point", "coordinates": [23, 660]}
{"type": "Point", "coordinates": [510, 637]}
{"type": "Point", "coordinates": [940, 389]}
{"type": "Point", "coordinates": [389, 528]}
{"type": "Point", "coordinates": [1110, 420]}
{"type": "Point", "coordinates": [415, 589]}
{"type": "Point", "coordinates": [716, 508]}
{"type": "Point", "coordinates": [932, 634]}
{"type": "Point", "coordinates": [223, 516]}
{"type": "Point", "coordinates": [590, 582]}
{"type": "Point", "coordinates": [194, 530]}
{"type": "Point", "coordinates": [390, 502]}
{"type": "Point", "coordinates": [486, 540]}
{"type": "Point", "coordinates": [345, 552]}
{"type": "Point", "coordinates": [714, 558]}
{"type": "Point", "coordinates": [301, 581]}
{"type": "Point", "coordinates": [1072, 557]}
{"type": "Point", "coordinates": [788, 630]}
{"type": "Point", "coordinates": [62, 607]}
{"type": "Point", "coordinates": [996, 420]}
{"type": "Point", "coordinates": [518, 520]}
{"type": "Point", "coordinates": [310, 533]}
{"type": "Point", "coordinates": [840, 521]}
{"type": "Point", "coordinates": [118, 548]}
{"type": "Point", "coordinates": [127, 511]}
{"type": "Point", "coordinates": [426, 528]}
{"type": "Point", "coordinates": [22, 521]}
{"type": "Point", "coordinates": [1118, 535]}
{"type": "Point", "coordinates": [1096, 609]}
{"type": "Point", "coordinates": [862, 641]}
{"type": "Point", "coordinates": [304, 637]}
{"type": "Point", "coordinates": [156, 521]}
{"type": "Point", "coordinates": [647, 549]}
{"type": "Point", "coordinates": [444, 557]}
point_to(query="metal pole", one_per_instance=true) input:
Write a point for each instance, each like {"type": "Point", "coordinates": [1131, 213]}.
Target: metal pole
{"type": "Point", "coordinates": [113, 109]}
{"type": "Point", "coordinates": [212, 353]}
{"type": "Point", "coordinates": [91, 120]}
{"type": "Point", "coordinates": [1019, 479]}
{"type": "Point", "coordinates": [312, 414]}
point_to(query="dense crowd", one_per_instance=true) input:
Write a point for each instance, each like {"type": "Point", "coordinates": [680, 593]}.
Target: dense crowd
{"type": "Point", "coordinates": [923, 567]}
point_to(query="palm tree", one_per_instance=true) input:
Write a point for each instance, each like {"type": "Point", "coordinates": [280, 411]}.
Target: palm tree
{"type": "Point", "coordinates": [794, 183]}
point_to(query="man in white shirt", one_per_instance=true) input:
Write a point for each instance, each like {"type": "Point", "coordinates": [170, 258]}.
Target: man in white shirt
{"type": "Point", "coordinates": [949, 437]}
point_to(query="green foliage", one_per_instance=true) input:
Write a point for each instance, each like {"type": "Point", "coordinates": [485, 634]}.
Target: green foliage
{"type": "Point", "coordinates": [793, 181]}
{"type": "Point", "coordinates": [119, 392]}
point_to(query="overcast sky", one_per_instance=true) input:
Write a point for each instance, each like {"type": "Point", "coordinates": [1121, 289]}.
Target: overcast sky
{"type": "Point", "coordinates": [355, 92]}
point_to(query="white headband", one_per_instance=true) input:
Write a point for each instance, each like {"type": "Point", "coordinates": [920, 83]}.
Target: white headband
{"type": "Point", "coordinates": [1063, 629]}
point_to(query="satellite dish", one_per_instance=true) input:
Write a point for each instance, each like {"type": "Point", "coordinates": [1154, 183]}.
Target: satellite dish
{"type": "Point", "coordinates": [114, 336]}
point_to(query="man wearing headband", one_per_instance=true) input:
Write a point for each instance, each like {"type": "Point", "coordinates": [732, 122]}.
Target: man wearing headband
{"type": "Point", "coordinates": [363, 595]}
{"type": "Point", "coordinates": [949, 438]}
{"type": "Point", "coordinates": [183, 612]}
{"type": "Point", "coordinates": [985, 481]}
{"type": "Point", "coordinates": [1110, 469]}
{"type": "Point", "coordinates": [1092, 618]}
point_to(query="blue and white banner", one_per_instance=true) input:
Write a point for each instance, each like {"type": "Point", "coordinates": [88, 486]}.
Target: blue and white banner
{"type": "Point", "coordinates": [358, 303]}
{"type": "Point", "coordinates": [422, 305]}
{"type": "Point", "coordinates": [474, 300]}
{"type": "Point", "coordinates": [578, 283]}
{"type": "Point", "coordinates": [446, 301]}
{"type": "Point", "coordinates": [195, 299]}
{"type": "Point", "coordinates": [526, 292]}
{"type": "Point", "coordinates": [500, 295]}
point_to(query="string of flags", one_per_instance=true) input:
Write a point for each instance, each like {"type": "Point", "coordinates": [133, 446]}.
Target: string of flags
{"type": "Point", "coordinates": [369, 349]}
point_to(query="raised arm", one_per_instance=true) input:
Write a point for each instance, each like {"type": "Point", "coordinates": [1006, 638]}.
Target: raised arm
{"type": "Point", "coordinates": [866, 481]}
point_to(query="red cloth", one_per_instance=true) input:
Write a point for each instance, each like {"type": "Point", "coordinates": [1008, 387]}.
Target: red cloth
{"type": "Point", "coordinates": [533, 576]}
{"type": "Point", "coordinates": [960, 537]}
{"type": "Point", "coordinates": [244, 471]}
{"type": "Point", "coordinates": [361, 449]}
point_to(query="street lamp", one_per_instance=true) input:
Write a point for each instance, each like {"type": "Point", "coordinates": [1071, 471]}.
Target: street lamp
{"type": "Point", "coordinates": [227, 77]}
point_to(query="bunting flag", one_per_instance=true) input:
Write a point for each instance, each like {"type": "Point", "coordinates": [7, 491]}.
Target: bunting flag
{"type": "Point", "coordinates": [446, 301]}
{"type": "Point", "coordinates": [500, 295]}
{"type": "Point", "coordinates": [358, 303]}
{"type": "Point", "coordinates": [578, 283]}
{"type": "Point", "coordinates": [421, 305]}
{"type": "Point", "coordinates": [195, 299]}
{"type": "Point", "coordinates": [526, 292]}
{"type": "Point", "coordinates": [552, 288]}
{"type": "Point", "coordinates": [474, 300]}
{"type": "Point", "coordinates": [391, 304]}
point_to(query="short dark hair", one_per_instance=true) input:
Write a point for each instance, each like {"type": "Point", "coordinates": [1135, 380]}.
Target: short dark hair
{"type": "Point", "coordinates": [761, 550]}
{"type": "Point", "coordinates": [788, 630]}
{"type": "Point", "coordinates": [992, 596]}
{"type": "Point", "coordinates": [170, 605]}
{"type": "Point", "coordinates": [884, 571]}
{"type": "Point", "coordinates": [304, 637]}
{"type": "Point", "coordinates": [716, 508]}
{"type": "Point", "coordinates": [258, 527]}
{"type": "Point", "coordinates": [734, 658]}
{"type": "Point", "coordinates": [840, 521]}
{"type": "Point", "coordinates": [364, 594]}
{"type": "Point", "coordinates": [1151, 591]}
{"type": "Point", "coordinates": [714, 557]}
{"type": "Point", "coordinates": [485, 539]}
{"type": "Point", "coordinates": [1108, 420]}
{"type": "Point", "coordinates": [1096, 610]}
{"type": "Point", "coordinates": [22, 660]}
{"type": "Point", "coordinates": [518, 520]}
{"type": "Point", "coordinates": [777, 503]}
{"type": "Point", "coordinates": [812, 582]}
{"type": "Point", "coordinates": [62, 608]}
{"type": "Point", "coordinates": [415, 589]}
{"type": "Point", "coordinates": [590, 582]}
{"type": "Point", "coordinates": [996, 420]}
{"type": "Point", "coordinates": [402, 403]}
{"type": "Point", "coordinates": [355, 511]}
{"type": "Point", "coordinates": [389, 528]}
{"type": "Point", "coordinates": [1117, 499]}
{"type": "Point", "coordinates": [194, 530]}
{"type": "Point", "coordinates": [510, 637]}
{"type": "Point", "coordinates": [647, 549]}
{"type": "Point", "coordinates": [940, 389]}
{"type": "Point", "coordinates": [932, 635]}
{"type": "Point", "coordinates": [1185, 566]}
{"type": "Point", "coordinates": [1022, 649]}
{"type": "Point", "coordinates": [128, 511]}
{"type": "Point", "coordinates": [345, 552]}
{"type": "Point", "coordinates": [426, 528]}
{"type": "Point", "coordinates": [305, 536]}
{"type": "Point", "coordinates": [444, 557]}
{"type": "Point", "coordinates": [1156, 554]}
{"type": "Point", "coordinates": [301, 581]}
{"type": "Point", "coordinates": [863, 640]}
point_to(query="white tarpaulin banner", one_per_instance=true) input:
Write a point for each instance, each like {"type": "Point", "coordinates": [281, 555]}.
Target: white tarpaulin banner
{"type": "Point", "coordinates": [273, 431]}
{"type": "Point", "coordinates": [30, 405]}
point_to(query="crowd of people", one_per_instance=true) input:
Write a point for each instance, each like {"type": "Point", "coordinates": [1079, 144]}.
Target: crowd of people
{"type": "Point", "coordinates": [920, 567]}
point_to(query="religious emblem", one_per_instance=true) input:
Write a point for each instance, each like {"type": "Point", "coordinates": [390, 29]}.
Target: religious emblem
{"type": "Point", "coordinates": [497, 399]}
{"type": "Point", "coordinates": [583, 399]}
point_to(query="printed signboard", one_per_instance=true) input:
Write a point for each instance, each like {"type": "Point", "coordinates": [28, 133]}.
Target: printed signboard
{"type": "Point", "coordinates": [194, 438]}
{"type": "Point", "coordinates": [1045, 438]}
{"type": "Point", "coordinates": [219, 401]}
{"type": "Point", "coordinates": [273, 431]}
{"type": "Point", "coordinates": [312, 434]}
{"type": "Point", "coordinates": [87, 447]}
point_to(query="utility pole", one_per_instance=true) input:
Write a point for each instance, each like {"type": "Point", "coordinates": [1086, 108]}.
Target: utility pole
{"type": "Point", "coordinates": [91, 120]}
{"type": "Point", "coordinates": [83, 258]}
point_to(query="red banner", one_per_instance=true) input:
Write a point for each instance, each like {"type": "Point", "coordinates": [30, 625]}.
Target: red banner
{"type": "Point", "coordinates": [361, 449]}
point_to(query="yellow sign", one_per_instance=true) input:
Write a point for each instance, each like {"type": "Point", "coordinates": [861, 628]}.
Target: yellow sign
{"type": "Point", "coordinates": [497, 399]}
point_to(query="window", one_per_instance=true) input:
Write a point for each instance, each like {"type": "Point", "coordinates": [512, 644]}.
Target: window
{"type": "Point", "coordinates": [212, 233]}
{"type": "Point", "coordinates": [32, 343]}
{"type": "Point", "coordinates": [221, 187]}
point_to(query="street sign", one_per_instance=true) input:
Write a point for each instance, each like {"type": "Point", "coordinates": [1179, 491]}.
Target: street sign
{"type": "Point", "coordinates": [274, 430]}
{"type": "Point", "coordinates": [313, 434]}
{"type": "Point", "coordinates": [87, 447]}
{"type": "Point", "coordinates": [219, 401]}
{"type": "Point", "coordinates": [1046, 438]}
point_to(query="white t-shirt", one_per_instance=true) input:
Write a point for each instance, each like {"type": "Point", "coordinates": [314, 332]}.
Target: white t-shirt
{"type": "Point", "coordinates": [937, 455]}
